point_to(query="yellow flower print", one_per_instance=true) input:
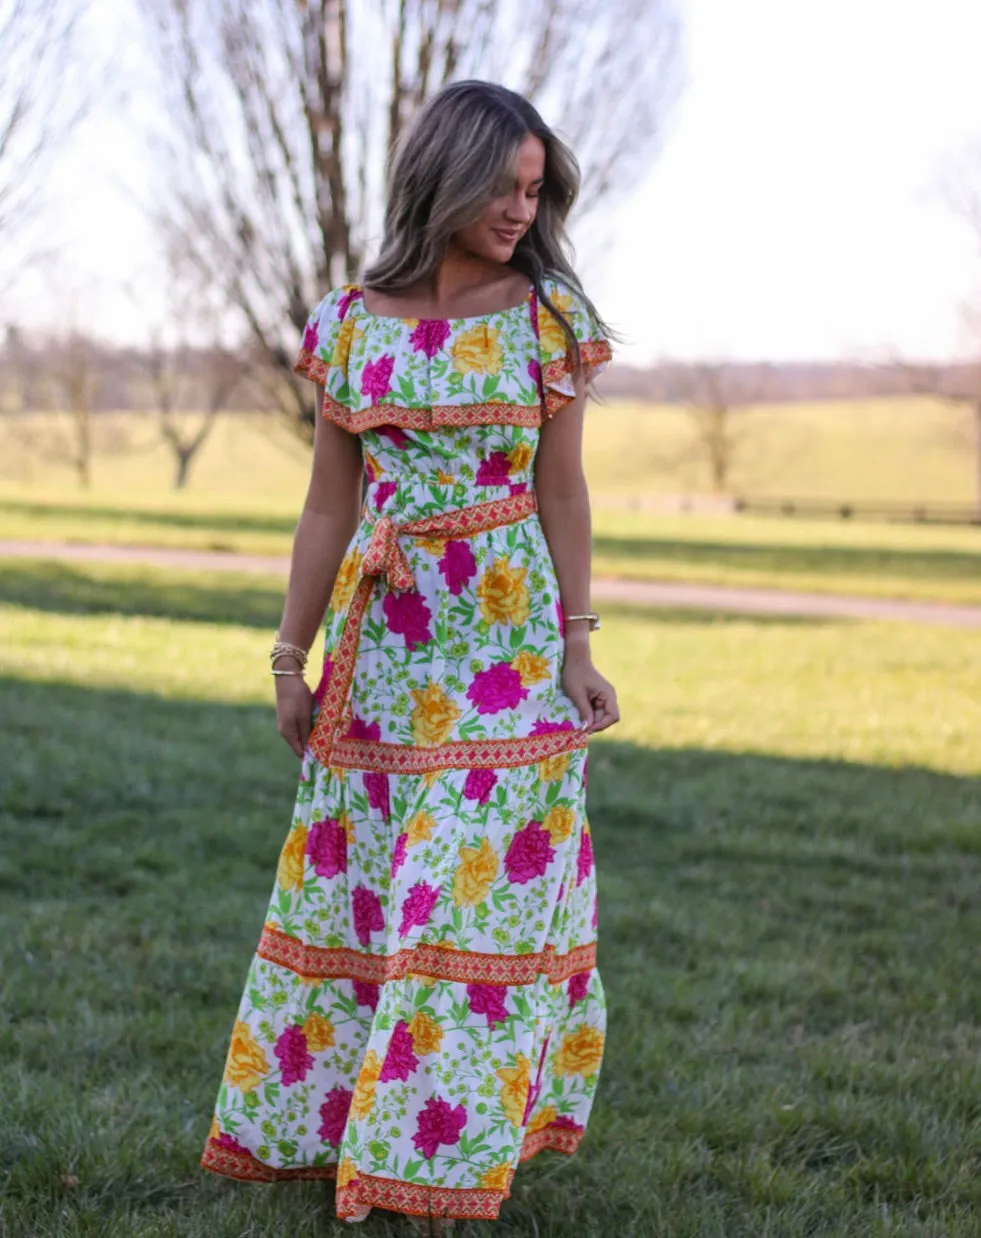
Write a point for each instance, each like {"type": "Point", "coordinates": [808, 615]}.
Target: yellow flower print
{"type": "Point", "coordinates": [347, 825]}
{"type": "Point", "coordinates": [319, 1032]}
{"type": "Point", "coordinates": [434, 715]}
{"type": "Point", "coordinates": [338, 772]}
{"type": "Point", "coordinates": [549, 328]}
{"type": "Point", "coordinates": [496, 1179]}
{"type": "Point", "coordinates": [347, 1172]}
{"type": "Point", "coordinates": [246, 1062]}
{"type": "Point", "coordinates": [552, 769]}
{"type": "Point", "coordinates": [432, 545]}
{"type": "Point", "coordinates": [475, 873]}
{"type": "Point", "coordinates": [560, 822]}
{"type": "Point", "coordinates": [532, 667]}
{"type": "Point", "coordinates": [444, 478]}
{"type": "Point", "coordinates": [348, 576]}
{"type": "Point", "coordinates": [349, 332]}
{"type": "Point", "coordinates": [515, 1080]}
{"type": "Point", "coordinates": [289, 871]}
{"type": "Point", "coordinates": [426, 1033]}
{"type": "Point", "coordinates": [374, 469]}
{"type": "Point", "coordinates": [503, 593]}
{"type": "Point", "coordinates": [432, 776]}
{"type": "Point", "coordinates": [364, 1089]}
{"type": "Point", "coordinates": [580, 1053]}
{"type": "Point", "coordinates": [519, 457]}
{"type": "Point", "coordinates": [215, 1131]}
{"type": "Point", "coordinates": [542, 1119]}
{"type": "Point", "coordinates": [420, 828]}
{"type": "Point", "coordinates": [477, 350]}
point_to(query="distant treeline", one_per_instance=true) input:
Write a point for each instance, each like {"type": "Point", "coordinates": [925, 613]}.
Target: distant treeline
{"type": "Point", "coordinates": [46, 374]}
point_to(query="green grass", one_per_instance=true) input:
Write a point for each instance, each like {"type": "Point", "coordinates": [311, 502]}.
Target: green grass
{"type": "Point", "coordinates": [247, 490]}
{"type": "Point", "coordinates": [788, 830]}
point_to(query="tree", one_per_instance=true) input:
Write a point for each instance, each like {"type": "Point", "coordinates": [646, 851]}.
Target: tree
{"type": "Point", "coordinates": [282, 114]}
{"type": "Point", "coordinates": [213, 374]}
{"type": "Point", "coordinates": [715, 396]}
{"type": "Point", "coordinates": [37, 107]}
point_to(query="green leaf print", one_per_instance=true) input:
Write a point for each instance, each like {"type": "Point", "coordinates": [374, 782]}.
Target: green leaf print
{"type": "Point", "coordinates": [410, 1170]}
{"type": "Point", "coordinates": [287, 1148]}
{"type": "Point", "coordinates": [379, 1148]}
{"type": "Point", "coordinates": [490, 387]}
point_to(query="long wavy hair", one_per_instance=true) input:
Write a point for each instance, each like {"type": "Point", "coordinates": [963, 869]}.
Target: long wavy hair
{"type": "Point", "coordinates": [452, 160]}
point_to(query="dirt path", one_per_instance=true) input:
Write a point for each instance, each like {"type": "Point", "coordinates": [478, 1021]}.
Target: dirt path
{"type": "Point", "coordinates": [632, 592]}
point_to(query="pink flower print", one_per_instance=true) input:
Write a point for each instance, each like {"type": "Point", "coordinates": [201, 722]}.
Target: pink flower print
{"type": "Point", "coordinates": [400, 1059]}
{"type": "Point", "coordinates": [399, 853]}
{"type": "Point", "coordinates": [310, 339]}
{"type": "Point", "coordinates": [578, 988]}
{"type": "Point", "coordinates": [489, 1000]}
{"type": "Point", "coordinates": [418, 906]}
{"type": "Point", "coordinates": [407, 614]}
{"type": "Point", "coordinates": [545, 726]}
{"type": "Point", "coordinates": [294, 1058]}
{"type": "Point", "coordinates": [458, 566]}
{"type": "Point", "coordinates": [376, 377]}
{"type": "Point", "coordinates": [359, 729]}
{"type": "Point", "coordinates": [430, 336]}
{"type": "Point", "coordinates": [396, 436]}
{"type": "Point", "coordinates": [517, 487]}
{"type": "Point", "coordinates": [535, 372]}
{"type": "Point", "coordinates": [529, 854]}
{"type": "Point", "coordinates": [479, 785]}
{"type": "Point", "coordinates": [324, 684]}
{"type": "Point", "coordinates": [493, 470]}
{"type": "Point", "coordinates": [536, 1088]}
{"type": "Point", "coordinates": [584, 864]}
{"type": "Point", "coordinates": [382, 492]}
{"type": "Point", "coordinates": [561, 618]}
{"type": "Point", "coordinates": [497, 687]}
{"type": "Point", "coordinates": [376, 785]}
{"type": "Point", "coordinates": [438, 1123]}
{"type": "Point", "coordinates": [333, 1115]}
{"type": "Point", "coordinates": [368, 915]}
{"type": "Point", "coordinates": [366, 993]}
{"type": "Point", "coordinates": [566, 1123]}
{"type": "Point", "coordinates": [233, 1145]}
{"type": "Point", "coordinates": [346, 301]}
{"type": "Point", "coordinates": [327, 848]}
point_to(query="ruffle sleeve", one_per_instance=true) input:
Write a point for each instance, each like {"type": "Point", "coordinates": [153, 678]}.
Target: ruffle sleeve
{"type": "Point", "coordinates": [558, 361]}
{"type": "Point", "coordinates": [326, 344]}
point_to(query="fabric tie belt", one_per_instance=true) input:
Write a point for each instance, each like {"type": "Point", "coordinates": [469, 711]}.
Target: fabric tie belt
{"type": "Point", "coordinates": [384, 559]}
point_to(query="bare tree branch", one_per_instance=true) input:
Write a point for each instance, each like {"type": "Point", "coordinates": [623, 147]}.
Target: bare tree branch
{"type": "Point", "coordinates": [282, 115]}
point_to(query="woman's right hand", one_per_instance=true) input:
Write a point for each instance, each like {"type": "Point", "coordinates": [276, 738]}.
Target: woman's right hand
{"type": "Point", "coordinates": [294, 711]}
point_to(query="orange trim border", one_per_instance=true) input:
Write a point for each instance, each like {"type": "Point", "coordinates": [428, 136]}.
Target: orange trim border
{"type": "Point", "coordinates": [427, 959]}
{"type": "Point", "coordinates": [409, 1198]}
{"type": "Point", "coordinates": [377, 756]}
{"type": "Point", "coordinates": [592, 355]}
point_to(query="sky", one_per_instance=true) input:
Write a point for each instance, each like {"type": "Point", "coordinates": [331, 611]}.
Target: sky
{"type": "Point", "coordinates": [795, 212]}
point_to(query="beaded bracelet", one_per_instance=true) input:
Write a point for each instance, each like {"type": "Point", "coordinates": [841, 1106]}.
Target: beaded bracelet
{"type": "Point", "coordinates": [282, 648]}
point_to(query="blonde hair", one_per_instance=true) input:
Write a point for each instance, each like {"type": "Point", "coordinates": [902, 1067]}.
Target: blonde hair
{"type": "Point", "coordinates": [448, 165]}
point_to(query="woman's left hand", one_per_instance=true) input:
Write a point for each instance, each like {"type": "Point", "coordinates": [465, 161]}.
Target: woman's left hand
{"type": "Point", "coordinates": [594, 696]}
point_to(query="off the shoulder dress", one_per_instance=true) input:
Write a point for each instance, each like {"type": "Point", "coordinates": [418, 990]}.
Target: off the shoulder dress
{"type": "Point", "coordinates": [423, 1010]}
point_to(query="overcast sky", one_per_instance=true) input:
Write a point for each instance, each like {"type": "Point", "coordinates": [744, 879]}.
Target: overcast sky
{"type": "Point", "coordinates": [794, 212]}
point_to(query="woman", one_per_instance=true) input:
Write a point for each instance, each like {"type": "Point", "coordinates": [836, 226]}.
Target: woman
{"type": "Point", "coordinates": [423, 1010]}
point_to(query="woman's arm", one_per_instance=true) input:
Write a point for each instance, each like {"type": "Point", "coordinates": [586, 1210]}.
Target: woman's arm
{"type": "Point", "coordinates": [325, 528]}
{"type": "Point", "coordinates": [563, 508]}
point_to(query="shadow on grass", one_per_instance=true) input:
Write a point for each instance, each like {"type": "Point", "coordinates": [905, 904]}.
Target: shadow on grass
{"type": "Point", "coordinates": [242, 599]}
{"type": "Point", "coordinates": [946, 565]}
{"type": "Point", "coordinates": [230, 522]}
{"type": "Point", "coordinates": [789, 949]}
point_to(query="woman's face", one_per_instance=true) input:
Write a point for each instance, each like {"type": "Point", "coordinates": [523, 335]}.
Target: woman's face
{"type": "Point", "coordinates": [511, 212]}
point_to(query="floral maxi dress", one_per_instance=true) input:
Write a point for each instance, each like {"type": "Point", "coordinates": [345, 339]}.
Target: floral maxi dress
{"type": "Point", "coordinates": [423, 1010]}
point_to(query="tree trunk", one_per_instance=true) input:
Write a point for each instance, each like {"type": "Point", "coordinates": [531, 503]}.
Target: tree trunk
{"type": "Point", "coordinates": [182, 468]}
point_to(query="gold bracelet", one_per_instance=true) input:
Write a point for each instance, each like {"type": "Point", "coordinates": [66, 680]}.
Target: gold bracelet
{"type": "Point", "coordinates": [282, 648]}
{"type": "Point", "coordinates": [275, 672]}
{"type": "Point", "coordinates": [592, 616]}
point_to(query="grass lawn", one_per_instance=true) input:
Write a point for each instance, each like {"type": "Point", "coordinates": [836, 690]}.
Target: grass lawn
{"type": "Point", "coordinates": [788, 833]}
